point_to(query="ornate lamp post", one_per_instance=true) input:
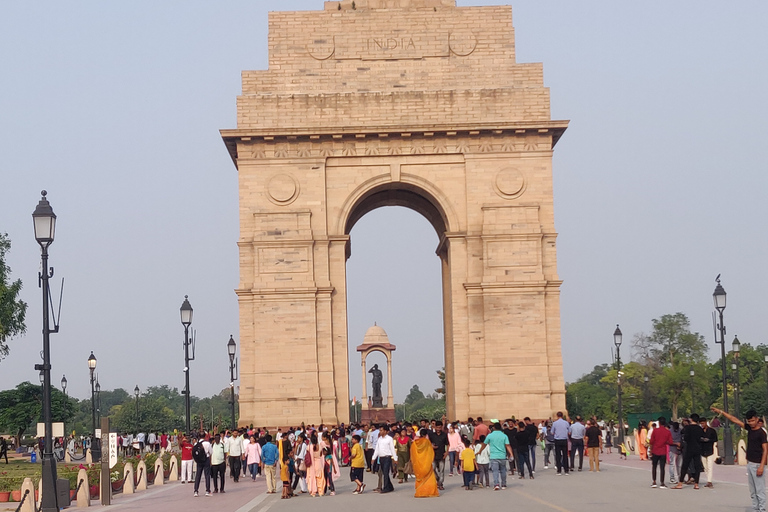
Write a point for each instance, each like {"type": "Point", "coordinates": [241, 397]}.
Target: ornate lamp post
{"type": "Point", "coordinates": [736, 382]}
{"type": "Point", "coordinates": [95, 448]}
{"type": "Point", "coordinates": [231, 349]}
{"type": "Point", "coordinates": [719, 297]}
{"type": "Point", "coordinates": [136, 394]}
{"type": "Point", "coordinates": [617, 341]}
{"type": "Point", "coordinates": [64, 384]}
{"type": "Point", "coordinates": [186, 321]}
{"type": "Point", "coordinates": [692, 373]}
{"type": "Point", "coordinates": [45, 228]}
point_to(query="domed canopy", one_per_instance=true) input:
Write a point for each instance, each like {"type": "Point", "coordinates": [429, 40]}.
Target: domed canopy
{"type": "Point", "coordinates": [375, 336]}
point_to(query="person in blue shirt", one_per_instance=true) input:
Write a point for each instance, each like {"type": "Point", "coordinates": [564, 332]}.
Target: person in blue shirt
{"type": "Point", "coordinates": [560, 432]}
{"type": "Point", "coordinates": [577, 431]}
{"type": "Point", "coordinates": [269, 456]}
{"type": "Point", "coordinates": [498, 443]}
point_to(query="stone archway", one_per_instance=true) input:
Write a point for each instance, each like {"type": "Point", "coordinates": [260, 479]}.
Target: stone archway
{"type": "Point", "coordinates": [440, 119]}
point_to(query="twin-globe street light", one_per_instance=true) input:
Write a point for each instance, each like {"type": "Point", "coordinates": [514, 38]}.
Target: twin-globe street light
{"type": "Point", "coordinates": [44, 221]}
{"type": "Point", "coordinates": [617, 341]}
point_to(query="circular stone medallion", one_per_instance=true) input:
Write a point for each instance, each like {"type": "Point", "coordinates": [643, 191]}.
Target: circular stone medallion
{"type": "Point", "coordinates": [283, 189]}
{"type": "Point", "coordinates": [509, 183]}
{"type": "Point", "coordinates": [462, 44]}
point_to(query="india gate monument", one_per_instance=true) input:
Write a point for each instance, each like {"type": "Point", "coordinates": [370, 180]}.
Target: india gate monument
{"type": "Point", "coordinates": [414, 103]}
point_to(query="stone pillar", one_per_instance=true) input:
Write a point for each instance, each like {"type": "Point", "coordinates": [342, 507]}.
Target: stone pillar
{"type": "Point", "coordinates": [364, 398]}
{"type": "Point", "coordinates": [84, 492]}
{"type": "Point", "coordinates": [88, 456]}
{"type": "Point", "coordinates": [29, 503]}
{"type": "Point", "coordinates": [130, 483]}
{"type": "Point", "coordinates": [67, 457]}
{"type": "Point", "coordinates": [141, 470]}
{"type": "Point", "coordinates": [390, 396]}
{"type": "Point", "coordinates": [159, 476]}
{"type": "Point", "coordinates": [741, 453]}
{"type": "Point", "coordinates": [174, 476]}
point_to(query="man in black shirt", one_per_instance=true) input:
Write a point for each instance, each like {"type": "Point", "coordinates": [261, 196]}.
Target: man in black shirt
{"type": "Point", "coordinates": [692, 436]}
{"type": "Point", "coordinates": [533, 436]}
{"type": "Point", "coordinates": [439, 439]}
{"type": "Point", "coordinates": [757, 454]}
{"type": "Point", "coordinates": [510, 431]}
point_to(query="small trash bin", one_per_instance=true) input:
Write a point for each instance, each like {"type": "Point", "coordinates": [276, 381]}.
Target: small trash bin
{"type": "Point", "coordinates": [33, 457]}
{"type": "Point", "coordinates": [62, 491]}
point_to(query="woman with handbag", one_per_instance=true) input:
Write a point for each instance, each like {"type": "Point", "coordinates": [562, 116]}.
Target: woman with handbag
{"type": "Point", "coordinates": [315, 461]}
{"type": "Point", "coordinates": [403, 449]}
{"type": "Point", "coordinates": [300, 453]}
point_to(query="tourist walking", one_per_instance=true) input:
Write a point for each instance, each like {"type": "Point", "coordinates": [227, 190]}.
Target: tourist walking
{"type": "Point", "coordinates": [468, 466]}
{"type": "Point", "coordinates": [316, 470]}
{"type": "Point", "coordinates": [757, 455]}
{"type": "Point", "coordinates": [186, 460]}
{"type": "Point", "coordinates": [533, 438]}
{"type": "Point", "coordinates": [661, 439]}
{"type": "Point", "coordinates": [403, 448]}
{"type": "Point", "coordinates": [560, 433]}
{"type": "Point", "coordinates": [692, 435]}
{"type": "Point", "coordinates": [201, 453]}
{"type": "Point", "coordinates": [455, 447]}
{"type": "Point", "coordinates": [253, 457]}
{"type": "Point", "coordinates": [357, 465]}
{"type": "Point", "coordinates": [235, 453]}
{"type": "Point", "coordinates": [269, 456]}
{"type": "Point", "coordinates": [300, 456]}
{"type": "Point", "coordinates": [422, 457]}
{"type": "Point", "coordinates": [523, 458]}
{"type": "Point", "coordinates": [498, 443]}
{"type": "Point", "coordinates": [483, 460]}
{"type": "Point", "coordinates": [4, 449]}
{"type": "Point", "coordinates": [218, 463]}
{"type": "Point", "coordinates": [708, 450]}
{"type": "Point", "coordinates": [385, 453]}
{"type": "Point", "coordinates": [594, 438]}
{"type": "Point", "coordinates": [549, 443]}
{"type": "Point", "coordinates": [440, 444]}
{"type": "Point", "coordinates": [577, 431]}
{"type": "Point", "coordinates": [675, 452]}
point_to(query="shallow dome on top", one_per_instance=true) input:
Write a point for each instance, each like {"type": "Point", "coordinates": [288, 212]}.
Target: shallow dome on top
{"type": "Point", "coordinates": [375, 335]}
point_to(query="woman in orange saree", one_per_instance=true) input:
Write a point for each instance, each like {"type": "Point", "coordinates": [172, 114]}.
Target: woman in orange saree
{"type": "Point", "coordinates": [640, 440]}
{"type": "Point", "coordinates": [422, 455]}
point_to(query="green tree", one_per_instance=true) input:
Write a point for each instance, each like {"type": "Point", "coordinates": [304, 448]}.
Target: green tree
{"type": "Point", "coordinates": [671, 343]}
{"type": "Point", "coordinates": [153, 416]}
{"type": "Point", "coordinates": [12, 309]}
{"type": "Point", "coordinates": [21, 408]}
{"type": "Point", "coordinates": [441, 377]}
{"type": "Point", "coordinates": [414, 395]}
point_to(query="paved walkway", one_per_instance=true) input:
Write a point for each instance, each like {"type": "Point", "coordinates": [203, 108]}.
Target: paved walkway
{"type": "Point", "coordinates": [620, 486]}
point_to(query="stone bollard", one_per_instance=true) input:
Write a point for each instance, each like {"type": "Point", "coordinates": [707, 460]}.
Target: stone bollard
{"type": "Point", "coordinates": [741, 453]}
{"type": "Point", "coordinates": [159, 476]}
{"type": "Point", "coordinates": [130, 483]}
{"type": "Point", "coordinates": [84, 492]}
{"type": "Point", "coordinates": [174, 476]}
{"type": "Point", "coordinates": [67, 456]}
{"type": "Point", "coordinates": [141, 470]}
{"type": "Point", "coordinates": [29, 502]}
{"type": "Point", "coordinates": [88, 457]}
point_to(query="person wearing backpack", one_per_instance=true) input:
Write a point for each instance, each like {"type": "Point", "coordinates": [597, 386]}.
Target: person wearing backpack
{"type": "Point", "coordinates": [201, 453]}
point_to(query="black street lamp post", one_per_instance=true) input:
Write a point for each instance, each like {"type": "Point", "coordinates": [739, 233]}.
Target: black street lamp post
{"type": "Point", "coordinates": [64, 384]}
{"type": "Point", "coordinates": [231, 349]}
{"type": "Point", "coordinates": [98, 401]}
{"type": "Point", "coordinates": [646, 394]}
{"type": "Point", "coordinates": [95, 449]}
{"type": "Point", "coordinates": [186, 321]}
{"type": "Point", "coordinates": [719, 297]}
{"type": "Point", "coordinates": [736, 382]}
{"type": "Point", "coordinates": [617, 341]}
{"type": "Point", "coordinates": [45, 228]}
{"type": "Point", "coordinates": [691, 372]}
{"type": "Point", "coordinates": [136, 394]}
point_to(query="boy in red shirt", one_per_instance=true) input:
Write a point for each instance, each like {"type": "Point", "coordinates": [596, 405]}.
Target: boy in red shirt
{"type": "Point", "coordinates": [661, 437]}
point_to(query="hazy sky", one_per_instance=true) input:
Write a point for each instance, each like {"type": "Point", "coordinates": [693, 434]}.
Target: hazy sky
{"type": "Point", "coordinates": [115, 107]}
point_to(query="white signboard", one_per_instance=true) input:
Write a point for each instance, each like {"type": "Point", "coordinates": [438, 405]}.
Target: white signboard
{"type": "Point", "coordinates": [58, 429]}
{"type": "Point", "coordinates": [112, 449]}
{"type": "Point", "coordinates": [98, 433]}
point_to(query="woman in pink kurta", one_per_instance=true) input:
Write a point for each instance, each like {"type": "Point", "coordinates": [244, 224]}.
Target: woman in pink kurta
{"type": "Point", "coordinates": [253, 457]}
{"type": "Point", "coordinates": [454, 449]}
{"type": "Point", "coordinates": [316, 472]}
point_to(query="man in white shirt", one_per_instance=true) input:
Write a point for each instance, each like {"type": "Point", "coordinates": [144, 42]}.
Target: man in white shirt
{"type": "Point", "coordinates": [204, 468]}
{"type": "Point", "coordinates": [235, 451]}
{"type": "Point", "coordinates": [370, 446]}
{"type": "Point", "coordinates": [385, 453]}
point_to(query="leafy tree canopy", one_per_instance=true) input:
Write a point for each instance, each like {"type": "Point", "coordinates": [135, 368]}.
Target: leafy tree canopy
{"type": "Point", "coordinates": [12, 309]}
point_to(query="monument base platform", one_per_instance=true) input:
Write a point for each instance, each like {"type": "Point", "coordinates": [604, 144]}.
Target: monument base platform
{"type": "Point", "coordinates": [383, 415]}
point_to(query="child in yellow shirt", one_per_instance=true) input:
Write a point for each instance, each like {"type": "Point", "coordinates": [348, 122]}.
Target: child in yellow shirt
{"type": "Point", "coordinates": [357, 465]}
{"type": "Point", "coordinates": [467, 458]}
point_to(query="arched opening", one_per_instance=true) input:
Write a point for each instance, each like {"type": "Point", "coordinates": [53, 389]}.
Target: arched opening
{"type": "Point", "coordinates": [395, 279]}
